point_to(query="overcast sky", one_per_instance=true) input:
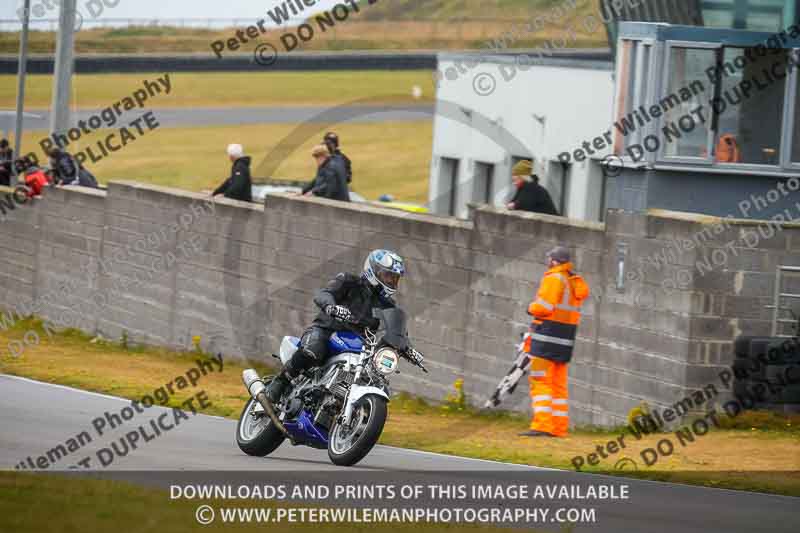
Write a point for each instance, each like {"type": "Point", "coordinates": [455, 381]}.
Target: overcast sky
{"type": "Point", "coordinates": [254, 9]}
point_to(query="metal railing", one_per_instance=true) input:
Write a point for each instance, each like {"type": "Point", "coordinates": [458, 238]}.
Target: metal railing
{"type": "Point", "coordinates": [777, 300]}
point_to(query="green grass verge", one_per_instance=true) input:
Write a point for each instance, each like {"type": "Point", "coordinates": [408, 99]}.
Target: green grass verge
{"type": "Point", "coordinates": [39, 503]}
{"type": "Point", "coordinates": [388, 157]}
{"type": "Point", "coordinates": [232, 89]}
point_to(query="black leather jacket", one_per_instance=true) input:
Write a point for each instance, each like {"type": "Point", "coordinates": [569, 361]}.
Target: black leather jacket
{"type": "Point", "coordinates": [239, 186]}
{"type": "Point", "coordinates": [331, 181]}
{"type": "Point", "coordinates": [350, 291]}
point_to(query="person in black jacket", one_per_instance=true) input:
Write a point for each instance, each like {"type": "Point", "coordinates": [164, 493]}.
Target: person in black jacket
{"type": "Point", "coordinates": [331, 140]}
{"type": "Point", "coordinates": [331, 180]}
{"type": "Point", "coordinates": [65, 168]}
{"type": "Point", "coordinates": [347, 299]}
{"type": "Point", "coordinates": [6, 162]}
{"type": "Point", "coordinates": [530, 196]}
{"type": "Point", "coordinates": [239, 186]}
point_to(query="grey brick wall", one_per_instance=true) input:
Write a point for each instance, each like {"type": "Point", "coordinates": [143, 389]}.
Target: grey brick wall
{"type": "Point", "coordinates": [163, 265]}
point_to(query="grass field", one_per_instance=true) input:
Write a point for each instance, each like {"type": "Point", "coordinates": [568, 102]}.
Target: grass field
{"type": "Point", "coordinates": [38, 503]}
{"type": "Point", "coordinates": [232, 89]}
{"type": "Point", "coordinates": [755, 451]}
{"type": "Point", "coordinates": [395, 25]}
{"type": "Point", "coordinates": [389, 157]}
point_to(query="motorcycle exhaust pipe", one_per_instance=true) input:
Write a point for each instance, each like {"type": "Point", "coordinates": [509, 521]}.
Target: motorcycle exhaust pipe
{"type": "Point", "coordinates": [253, 383]}
{"type": "Point", "coordinates": [258, 391]}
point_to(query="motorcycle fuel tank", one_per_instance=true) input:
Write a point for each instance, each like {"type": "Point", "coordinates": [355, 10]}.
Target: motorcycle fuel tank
{"type": "Point", "coordinates": [345, 341]}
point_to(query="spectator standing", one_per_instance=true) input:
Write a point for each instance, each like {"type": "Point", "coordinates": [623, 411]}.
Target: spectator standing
{"type": "Point", "coordinates": [530, 196]}
{"type": "Point", "coordinates": [239, 186]}
{"type": "Point", "coordinates": [65, 168]}
{"type": "Point", "coordinates": [556, 313]}
{"type": "Point", "coordinates": [331, 179]}
{"type": "Point", "coordinates": [331, 140]}
{"type": "Point", "coordinates": [35, 178]}
{"type": "Point", "coordinates": [6, 162]}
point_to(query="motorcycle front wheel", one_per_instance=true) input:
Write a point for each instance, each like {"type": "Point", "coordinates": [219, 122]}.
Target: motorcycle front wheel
{"type": "Point", "coordinates": [256, 434]}
{"type": "Point", "coordinates": [347, 445]}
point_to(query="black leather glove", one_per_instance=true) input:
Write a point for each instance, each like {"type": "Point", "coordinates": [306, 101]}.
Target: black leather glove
{"type": "Point", "coordinates": [414, 356]}
{"type": "Point", "coordinates": [339, 312]}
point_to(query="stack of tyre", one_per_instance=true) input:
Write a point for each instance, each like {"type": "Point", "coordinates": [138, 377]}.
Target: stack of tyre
{"type": "Point", "coordinates": [767, 373]}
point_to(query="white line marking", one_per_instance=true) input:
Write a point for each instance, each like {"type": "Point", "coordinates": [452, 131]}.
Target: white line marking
{"type": "Point", "coordinates": [101, 395]}
{"type": "Point", "coordinates": [461, 458]}
{"type": "Point", "coordinates": [64, 387]}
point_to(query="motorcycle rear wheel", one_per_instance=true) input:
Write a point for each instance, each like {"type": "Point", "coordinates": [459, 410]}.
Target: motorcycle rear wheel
{"type": "Point", "coordinates": [348, 445]}
{"type": "Point", "coordinates": [257, 436]}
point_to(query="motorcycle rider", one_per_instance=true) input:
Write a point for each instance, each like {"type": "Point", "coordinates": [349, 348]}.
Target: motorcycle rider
{"type": "Point", "coordinates": [346, 299]}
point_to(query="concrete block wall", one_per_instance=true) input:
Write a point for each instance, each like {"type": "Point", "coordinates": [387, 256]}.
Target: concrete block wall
{"type": "Point", "coordinates": [161, 265]}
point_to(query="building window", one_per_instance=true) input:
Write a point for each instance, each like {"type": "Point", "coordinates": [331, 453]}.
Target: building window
{"type": "Point", "coordinates": [558, 185]}
{"type": "Point", "coordinates": [748, 127]}
{"type": "Point", "coordinates": [795, 108]}
{"type": "Point", "coordinates": [448, 176]}
{"type": "Point", "coordinates": [483, 185]}
{"type": "Point", "coordinates": [725, 106]}
{"type": "Point", "coordinates": [685, 103]}
{"type": "Point", "coordinates": [758, 15]}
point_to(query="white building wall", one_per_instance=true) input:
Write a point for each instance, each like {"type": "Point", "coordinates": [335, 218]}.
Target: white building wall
{"type": "Point", "coordinates": [538, 110]}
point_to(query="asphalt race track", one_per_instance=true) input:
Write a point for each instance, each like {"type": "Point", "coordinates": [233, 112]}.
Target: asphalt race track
{"type": "Point", "coordinates": [35, 417]}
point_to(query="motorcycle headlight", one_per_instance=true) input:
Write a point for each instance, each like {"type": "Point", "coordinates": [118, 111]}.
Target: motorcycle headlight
{"type": "Point", "coordinates": [386, 360]}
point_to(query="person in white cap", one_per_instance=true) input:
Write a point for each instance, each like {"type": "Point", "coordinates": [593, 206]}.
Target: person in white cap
{"type": "Point", "coordinates": [239, 186]}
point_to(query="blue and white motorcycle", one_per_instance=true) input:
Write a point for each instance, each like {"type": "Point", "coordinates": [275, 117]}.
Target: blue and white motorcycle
{"type": "Point", "coordinates": [342, 405]}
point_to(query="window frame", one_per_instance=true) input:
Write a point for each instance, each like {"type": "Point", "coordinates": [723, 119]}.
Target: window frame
{"type": "Point", "coordinates": [787, 127]}
{"type": "Point", "coordinates": [660, 156]}
{"type": "Point", "coordinates": [638, 46]}
{"type": "Point", "coordinates": [789, 108]}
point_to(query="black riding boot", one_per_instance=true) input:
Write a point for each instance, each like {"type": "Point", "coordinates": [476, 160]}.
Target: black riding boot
{"type": "Point", "coordinates": [282, 384]}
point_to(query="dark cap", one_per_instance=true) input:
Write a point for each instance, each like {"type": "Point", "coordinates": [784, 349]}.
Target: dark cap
{"type": "Point", "coordinates": [559, 254]}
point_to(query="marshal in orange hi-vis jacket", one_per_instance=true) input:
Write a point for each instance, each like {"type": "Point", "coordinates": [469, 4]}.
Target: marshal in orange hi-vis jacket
{"type": "Point", "coordinates": [556, 313]}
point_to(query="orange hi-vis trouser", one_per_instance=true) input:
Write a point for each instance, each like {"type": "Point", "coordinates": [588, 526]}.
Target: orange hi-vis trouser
{"type": "Point", "coordinates": [548, 381]}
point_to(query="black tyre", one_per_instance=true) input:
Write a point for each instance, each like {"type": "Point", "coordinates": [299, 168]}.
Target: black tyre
{"type": "Point", "coordinates": [783, 374]}
{"type": "Point", "coordinates": [783, 351]}
{"type": "Point", "coordinates": [257, 435]}
{"type": "Point", "coordinates": [741, 346]}
{"type": "Point", "coordinates": [750, 347]}
{"type": "Point", "coordinates": [348, 445]}
{"type": "Point", "coordinates": [748, 370]}
{"type": "Point", "coordinates": [790, 395]}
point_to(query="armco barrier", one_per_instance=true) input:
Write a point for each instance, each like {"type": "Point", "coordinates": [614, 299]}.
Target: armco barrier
{"type": "Point", "coordinates": [298, 61]}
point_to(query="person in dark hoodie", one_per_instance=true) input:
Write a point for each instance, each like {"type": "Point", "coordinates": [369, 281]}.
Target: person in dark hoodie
{"type": "Point", "coordinates": [530, 196]}
{"type": "Point", "coordinates": [331, 140]}
{"type": "Point", "coordinates": [65, 168]}
{"type": "Point", "coordinates": [331, 179]}
{"type": "Point", "coordinates": [6, 162]}
{"type": "Point", "coordinates": [239, 186]}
